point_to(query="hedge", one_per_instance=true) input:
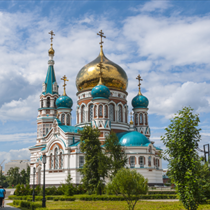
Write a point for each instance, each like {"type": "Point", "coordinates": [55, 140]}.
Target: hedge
{"type": "Point", "coordinates": [161, 192]}
{"type": "Point", "coordinates": [92, 197]}
{"type": "Point", "coordinates": [121, 198]}
{"type": "Point", "coordinates": [26, 204]}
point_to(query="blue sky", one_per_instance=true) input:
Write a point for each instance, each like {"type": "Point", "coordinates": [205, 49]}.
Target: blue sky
{"type": "Point", "coordinates": [167, 42]}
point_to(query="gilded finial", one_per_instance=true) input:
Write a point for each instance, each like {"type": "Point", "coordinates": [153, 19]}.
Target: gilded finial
{"type": "Point", "coordinates": [131, 121]}
{"type": "Point", "coordinates": [64, 86]}
{"type": "Point", "coordinates": [51, 50]}
{"type": "Point", "coordinates": [101, 34]}
{"type": "Point", "coordinates": [139, 79]}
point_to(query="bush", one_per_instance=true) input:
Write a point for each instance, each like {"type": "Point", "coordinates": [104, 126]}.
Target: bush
{"type": "Point", "coordinates": [161, 192]}
{"type": "Point", "coordinates": [28, 205]}
{"type": "Point", "coordinates": [64, 198]}
{"type": "Point", "coordinates": [121, 198]}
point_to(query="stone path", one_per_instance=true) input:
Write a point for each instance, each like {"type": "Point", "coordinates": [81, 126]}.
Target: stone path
{"type": "Point", "coordinates": [6, 207]}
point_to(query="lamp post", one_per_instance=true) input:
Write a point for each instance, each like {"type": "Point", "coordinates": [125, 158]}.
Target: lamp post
{"type": "Point", "coordinates": [34, 171]}
{"type": "Point", "coordinates": [44, 200]}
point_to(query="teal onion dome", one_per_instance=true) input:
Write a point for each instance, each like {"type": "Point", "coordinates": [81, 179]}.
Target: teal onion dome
{"type": "Point", "coordinates": [64, 102]}
{"type": "Point", "coordinates": [140, 101]}
{"type": "Point", "coordinates": [100, 92]}
{"type": "Point", "coordinates": [132, 138]}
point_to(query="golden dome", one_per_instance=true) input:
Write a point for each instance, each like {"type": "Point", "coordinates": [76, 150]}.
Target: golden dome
{"type": "Point", "coordinates": [51, 51]}
{"type": "Point", "coordinates": [113, 75]}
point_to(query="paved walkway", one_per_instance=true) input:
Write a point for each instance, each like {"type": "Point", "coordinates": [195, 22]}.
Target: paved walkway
{"type": "Point", "coordinates": [7, 207]}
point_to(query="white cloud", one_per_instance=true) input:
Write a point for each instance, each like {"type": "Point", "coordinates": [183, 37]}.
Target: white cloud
{"type": "Point", "coordinates": [177, 41]}
{"type": "Point", "coordinates": [18, 137]}
{"type": "Point", "coordinates": [22, 109]}
{"type": "Point", "coordinates": [22, 154]}
{"type": "Point", "coordinates": [154, 5]}
{"type": "Point", "coordinates": [168, 99]}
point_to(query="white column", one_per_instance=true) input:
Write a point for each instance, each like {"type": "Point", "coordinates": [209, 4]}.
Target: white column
{"type": "Point", "coordinates": [51, 103]}
{"type": "Point", "coordinates": [138, 118]}
{"type": "Point", "coordinates": [79, 110]}
{"type": "Point", "coordinates": [44, 102]}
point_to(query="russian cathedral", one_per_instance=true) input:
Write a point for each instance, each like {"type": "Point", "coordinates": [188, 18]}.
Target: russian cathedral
{"type": "Point", "coordinates": [101, 103]}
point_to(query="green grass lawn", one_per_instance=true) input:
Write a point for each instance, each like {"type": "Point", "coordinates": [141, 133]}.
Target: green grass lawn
{"type": "Point", "coordinates": [116, 205]}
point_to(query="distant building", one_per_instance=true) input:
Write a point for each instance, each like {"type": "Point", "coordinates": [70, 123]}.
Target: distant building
{"type": "Point", "coordinates": [21, 164]}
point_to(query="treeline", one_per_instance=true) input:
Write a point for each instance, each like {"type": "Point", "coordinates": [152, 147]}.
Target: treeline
{"type": "Point", "coordinates": [14, 177]}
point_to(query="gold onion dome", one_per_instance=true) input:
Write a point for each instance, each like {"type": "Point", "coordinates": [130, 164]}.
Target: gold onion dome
{"type": "Point", "coordinates": [114, 76]}
{"type": "Point", "coordinates": [51, 51]}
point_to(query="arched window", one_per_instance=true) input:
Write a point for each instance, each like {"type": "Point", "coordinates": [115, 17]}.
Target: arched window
{"type": "Point", "coordinates": [42, 103]}
{"type": "Point", "coordinates": [100, 111]}
{"type": "Point", "coordinates": [95, 111]}
{"type": "Point", "coordinates": [145, 119]}
{"type": "Point", "coordinates": [106, 111]}
{"type": "Point", "coordinates": [141, 119]}
{"type": "Point", "coordinates": [48, 102]}
{"type": "Point", "coordinates": [51, 161]}
{"type": "Point", "coordinates": [90, 112]}
{"type": "Point", "coordinates": [47, 130]}
{"type": "Point", "coordinates": [81, 161]}
{"type": "Point", "coordinates": [120, 113]}
{"type": "Point", "coordinates": [149, 161]}
{"type": "Point", "coordinates": [132, 161]}
{"type": "Point", "coordinates": [56, 158]}
{"type": "Point", "coordinates": [111, 112]}
{"type": "Point", "coordinates": [136, 119]}
{"type": "Point", "coordinates": [55, 103]}
{"type": "Point", "coordinates": [61, 160]}
{"type": "Point", "coordinates": [68, 119]}
{"type": "Point", "coordinates": [141, 161]}
{"type": "Point", "coordinates": [83, 114]}
{"type": "Point", "coordinates": [63, 119]}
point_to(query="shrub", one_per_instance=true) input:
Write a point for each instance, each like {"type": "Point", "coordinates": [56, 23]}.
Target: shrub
{"type": "Point", "coordinates": [161, 192]}
{"type": "Point", "coordinates": [28, 205]}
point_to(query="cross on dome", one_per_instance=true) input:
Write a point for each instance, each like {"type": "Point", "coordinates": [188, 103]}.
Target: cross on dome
{"type": "Point", "coordinates": [51, 50]}
{"type": "Point", "coordinates": [52, 34]}
{"type": "Point", "coordinates": [139, 79]}
{"type": "Point", "coordinates": [101, 34]}
{"type": "Point", "coordinates": [64, 78]}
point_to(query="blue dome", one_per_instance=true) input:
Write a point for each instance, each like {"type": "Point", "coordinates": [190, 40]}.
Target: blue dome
{"type": "Point", "coordinates": [64, 102]}
{"type": "Point", "coordinates": [140, 101]}
{"type": "Point", "coordinates": [100, 92]}
{"type": "Point", "coordinates": [132, 138]}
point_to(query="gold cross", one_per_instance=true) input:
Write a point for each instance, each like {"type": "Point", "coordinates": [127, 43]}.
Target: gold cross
{"type": "Point", "coordinates": [64, 86]}
{"type": "Point", "coordinates": [100, 65]}
{"type": "Point", "coordinates": [139, 79]}
{"type": "Point", "coordinates": [101, 34]}
{"type": "Point", "coordinates": [52, 34]}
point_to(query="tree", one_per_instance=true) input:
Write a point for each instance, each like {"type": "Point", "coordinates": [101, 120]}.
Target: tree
{"type": "Point", "coordinates": [94, 170]}
{"type": "Point", "coordinates": [181, 141]}
{"type": "Point", "coordinates": [68, 188]}
{"type": "Point", "coordinates": [115, 152]}
{"type": "Point", "coordinates": [13, 176]}
{"type": "Point", "coordinates": [130, 184]}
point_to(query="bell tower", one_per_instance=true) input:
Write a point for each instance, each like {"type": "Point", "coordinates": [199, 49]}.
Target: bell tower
{"type": "Point", "coordinates": [48, 109]}
{"type": "Point", "coordinates": [140, 115]}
